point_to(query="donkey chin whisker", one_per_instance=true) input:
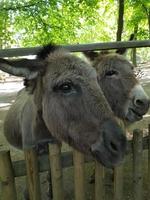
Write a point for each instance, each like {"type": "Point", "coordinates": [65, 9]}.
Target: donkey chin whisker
{"type": "Point", "coordinates": [135, 112]}
{"type": "Point", "coordinates": [133, 115]}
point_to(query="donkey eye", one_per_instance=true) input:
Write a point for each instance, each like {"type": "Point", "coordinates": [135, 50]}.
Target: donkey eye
{"type": "Point", "coordinates": [65, 88]}
{"type": "Point", "coordinates": [111, 73]}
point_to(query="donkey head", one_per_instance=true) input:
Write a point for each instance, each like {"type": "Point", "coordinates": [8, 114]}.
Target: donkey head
{"type": "Point", "coordinates": [120, 86]}
{"type": "Point", "coordinates": [72, 104]}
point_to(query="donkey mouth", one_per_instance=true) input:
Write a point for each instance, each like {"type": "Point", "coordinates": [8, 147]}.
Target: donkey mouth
{"type": "Point", "coordinates": [107, 159]}
{"type": "Point", "coordinates": [133, 115]}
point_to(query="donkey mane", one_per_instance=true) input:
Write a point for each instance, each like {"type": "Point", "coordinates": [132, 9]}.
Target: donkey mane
{"type": "Point", "coordinates": [44, 52]}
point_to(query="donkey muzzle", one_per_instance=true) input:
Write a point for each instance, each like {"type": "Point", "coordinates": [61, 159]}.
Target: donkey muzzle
{"type": "Point", "coordinates": [138, 105]}
{"type": "Point", "coordinates": [111, 146]}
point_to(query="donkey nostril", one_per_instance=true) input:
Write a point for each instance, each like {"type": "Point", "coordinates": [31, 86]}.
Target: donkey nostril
{"type": "Point", "coordinates": [142, 103]}
{"type": "Point", "coordinates": [113, 146]}
{"type": "Point", "coordinates": [139, 102]}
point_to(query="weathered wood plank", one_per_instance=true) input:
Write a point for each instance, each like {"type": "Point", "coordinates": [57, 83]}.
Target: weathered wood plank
{"type": "Point", "coordinates": [137, 164]}
{"type": "Point", "coordinates": [79, 175]}
{"type": "Point", "coordinates": [32, 174]}
{"type": "Point", "coordinates": [56, 171]}
{"type": "Point", "coordinates": [148, 160]}
{"type": "Point", "coordinates": [118, 175]}
{"type": "Point", "coordinates": [118, 183]}
{"type": "Point", "coordinates": [7, 180]}
{"type": "Point", "coordinates": [16, 52]}
{"type": "Point", "coordinates": [99, 182]}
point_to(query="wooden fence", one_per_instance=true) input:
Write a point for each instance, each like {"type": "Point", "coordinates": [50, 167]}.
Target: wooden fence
{"type": "Point", "coordinates": [56, 161]}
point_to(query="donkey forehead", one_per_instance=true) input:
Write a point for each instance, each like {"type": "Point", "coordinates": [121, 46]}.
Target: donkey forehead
{"type": "Point", "coordinates": [122, 64]}
{"type": "Point", "coordinates": [116, 62]}
{"type": "Point", "coordinates": [69, 66]}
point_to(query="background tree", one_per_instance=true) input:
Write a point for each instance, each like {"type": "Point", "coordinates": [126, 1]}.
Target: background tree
{"type": "Point", "coordinates": [137, 20]}
{"type": "Point", "coordinates": [120, 19]}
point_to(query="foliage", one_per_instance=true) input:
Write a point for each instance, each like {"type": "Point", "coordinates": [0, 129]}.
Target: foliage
{"type": "Point", "coordinates": [138, 14]}
{"type": "Point", "coordinates": [37, 22]}
{"type": "Point", "coordinates": [5, 28]}
{"type": "Point", "coordinates": [45, 20]}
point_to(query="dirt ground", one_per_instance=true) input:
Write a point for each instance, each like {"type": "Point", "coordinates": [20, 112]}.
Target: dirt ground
{"type": "Point", "coordinates": [8, 91]}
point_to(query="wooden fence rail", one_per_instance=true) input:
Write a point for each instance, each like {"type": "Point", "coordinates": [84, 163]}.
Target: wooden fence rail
{"type": "Point", "coordinates": [16, 52]}
{"type": "Point", "coordinates": [56, 161]}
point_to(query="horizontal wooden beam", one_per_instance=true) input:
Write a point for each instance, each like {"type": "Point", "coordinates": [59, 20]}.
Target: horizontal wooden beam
{"type": "Point", "coordinates": [66, 157]}
{"type": "Point", "coordinates": [17, 52]}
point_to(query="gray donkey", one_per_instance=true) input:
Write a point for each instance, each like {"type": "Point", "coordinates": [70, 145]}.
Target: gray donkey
{"type": "Point", "coordinates": [62, 99]}
{"type": "Point", "coordinates": [119, 84]}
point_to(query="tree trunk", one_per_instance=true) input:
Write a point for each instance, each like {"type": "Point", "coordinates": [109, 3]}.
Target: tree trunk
{"type": "Point", "coordinates": [134, 50]}
{"type": "Point", "coordinates": [147, 10]}
{"type": "Point", "coordinates": [148, 16]}
{"type": "Point", "coordinates": [120, 20]}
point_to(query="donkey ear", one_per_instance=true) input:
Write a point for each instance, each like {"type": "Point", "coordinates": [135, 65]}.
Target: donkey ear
{"type": "Point", "coordinates": [124, 50]}
{"type": "Point", "coordinates": [91, 55]}
{"type": "Point", "coordinates": [121, 51]}
{"type": "Point", "coordinates": [21, 67]}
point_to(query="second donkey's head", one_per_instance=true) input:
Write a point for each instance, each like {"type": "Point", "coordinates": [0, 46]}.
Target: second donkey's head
{"type": "Point", "coordinates": [121, 88]}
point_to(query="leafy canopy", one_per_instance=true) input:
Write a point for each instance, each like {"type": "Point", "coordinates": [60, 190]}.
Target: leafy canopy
{"type": "Point", "coordinates": [37, 22]}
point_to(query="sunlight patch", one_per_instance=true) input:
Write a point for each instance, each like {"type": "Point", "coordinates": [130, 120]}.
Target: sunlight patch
{"type": "Point", "coordinates": [4, 105]}
{"type": "Point", "coordinates": [147, 115]}
{"type": "Point", "coordinates": [10, 87]}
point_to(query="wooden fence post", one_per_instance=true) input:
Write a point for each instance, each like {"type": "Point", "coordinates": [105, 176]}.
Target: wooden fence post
{"type": "Point", "coordinates": [118, 175]}
{"type": "Point", "coordinates": [118, 183]}
{"type": "Point", "coordinates": [99, 182]}
{"type": "Point", "coordinates": [7, 177]}
{"type": "Point", "coordinates": [56, 171]}
{"type": "Point", "coordinates": [149, 159]}
{"type": "Point", "coordinates": [137, 164]}
{"type": "Point", "coordinates": [32, 174]}
{"type": "Point", "coordinates": [79, 176]}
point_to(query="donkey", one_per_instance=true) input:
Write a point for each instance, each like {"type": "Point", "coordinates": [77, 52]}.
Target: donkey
{"type": "Point", "coordinates": [119, 84]}
{"type": "Point", "coordinates": [63, 100]}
